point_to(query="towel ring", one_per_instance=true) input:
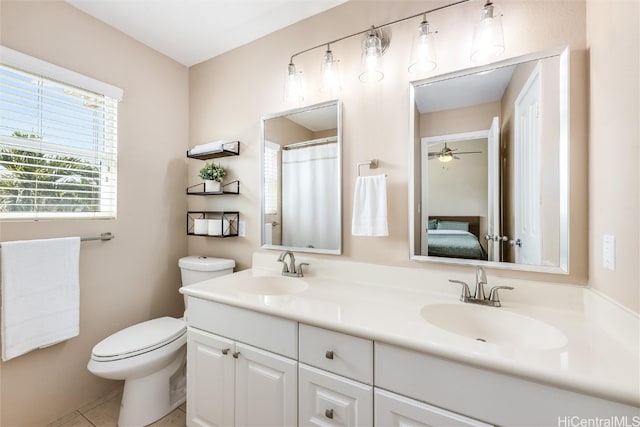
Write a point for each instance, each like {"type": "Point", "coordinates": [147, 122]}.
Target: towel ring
{"type": "Point", "coordinates": [373, 164]}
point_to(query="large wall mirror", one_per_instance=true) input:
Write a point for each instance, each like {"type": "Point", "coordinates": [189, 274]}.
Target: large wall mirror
{"type": "Point", "coordinates": [489, 165]}
{"type": "Point", "coordinates": [301, 179]}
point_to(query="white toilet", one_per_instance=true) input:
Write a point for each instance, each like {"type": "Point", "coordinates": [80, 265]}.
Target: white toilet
{"type": "Point", "coordinates": [151, 355]}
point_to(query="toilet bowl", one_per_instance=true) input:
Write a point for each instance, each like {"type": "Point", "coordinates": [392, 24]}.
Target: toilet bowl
{"type": "Point", "coordinates": [150, 356]}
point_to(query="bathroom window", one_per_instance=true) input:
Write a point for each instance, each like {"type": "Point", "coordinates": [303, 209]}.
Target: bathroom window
{"type": "Point", "coordinates": [271, 178]}
{"type": "Point", "coordinates": [58, 142]}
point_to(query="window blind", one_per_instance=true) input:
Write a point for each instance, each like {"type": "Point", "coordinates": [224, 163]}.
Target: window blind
{"type": "Point", "coordinates": [271, 178]}
{"type": "Point", "coordinates": [58, 148]}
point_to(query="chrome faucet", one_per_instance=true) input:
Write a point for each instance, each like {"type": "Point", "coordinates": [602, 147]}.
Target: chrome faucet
{"type": "Point", "coordinates": [479, 296]}
{"type": "Point", "coordinates": [291, 269]}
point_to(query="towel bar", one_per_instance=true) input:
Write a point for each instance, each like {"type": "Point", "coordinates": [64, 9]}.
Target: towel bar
{"type": "Point", "coordinates": [103, 237]}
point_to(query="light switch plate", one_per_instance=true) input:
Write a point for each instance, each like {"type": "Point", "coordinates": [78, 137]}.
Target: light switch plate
{"type": "Point", "coordinates": [242, 229]}
{"type": "Point", "coordinates": [609, 252]}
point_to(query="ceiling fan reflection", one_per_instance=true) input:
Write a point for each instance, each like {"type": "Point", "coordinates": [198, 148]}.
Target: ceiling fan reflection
{"type": "Point", "coordinates": [447, 154]}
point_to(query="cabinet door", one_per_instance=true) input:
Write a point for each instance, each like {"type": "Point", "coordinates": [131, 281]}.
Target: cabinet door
{"type": "Point", "coordinates": [210, 380]}
{"type": "Point", "coordinates": [393, 410]}
{"type": "Point", "coordinates": [331, 400]}
{"type": "Point", "coordinates": [266, 388]}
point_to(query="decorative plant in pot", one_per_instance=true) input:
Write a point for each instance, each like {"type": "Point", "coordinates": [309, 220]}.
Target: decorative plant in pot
{"type": "Point", "coordinates": [212, 175]}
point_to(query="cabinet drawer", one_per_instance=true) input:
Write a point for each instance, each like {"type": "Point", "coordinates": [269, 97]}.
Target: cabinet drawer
{"type": "Point", "coordinates": [392, 410]}
{"type": "Point", "coordinates": [485, 395]}
{"type": "Point", "coordinates": [326, 399]}
{"type": "Point", "coordinates": [336, 352]}
{"type": "Point", "coordinates": [258, 329]}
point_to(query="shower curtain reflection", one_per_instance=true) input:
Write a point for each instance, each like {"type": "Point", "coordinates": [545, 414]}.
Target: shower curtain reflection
{"type": "Point", "coordinates": [310, 177]}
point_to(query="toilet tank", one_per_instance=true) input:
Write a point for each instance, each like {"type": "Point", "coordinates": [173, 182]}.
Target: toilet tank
{"type": "Point", "coordinates": [195, 269]}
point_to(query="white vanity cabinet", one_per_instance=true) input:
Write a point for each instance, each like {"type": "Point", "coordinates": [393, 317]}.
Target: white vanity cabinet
{"type": "Point", "coordinates": [335, 378]}
{"type": "Point", "coordinates": [231, 382]}
{"type": "Point", "coordinates": [247, 368]}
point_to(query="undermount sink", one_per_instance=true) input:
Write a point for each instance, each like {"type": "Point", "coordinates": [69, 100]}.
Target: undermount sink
{"type": "Point", "coordinates": [494, 326]}
{"type": "Point", "coordinates": [271, 285]}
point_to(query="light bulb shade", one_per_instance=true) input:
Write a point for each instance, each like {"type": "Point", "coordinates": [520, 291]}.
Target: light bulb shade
{"type": "Point", "coordinates": [445, 158]}
{"type": "Point", "coordinates": [423, 51]}
{"type": "Point", "coordinates": [293, 86]}
{"type": "Point", "coordinates": [488, 37]}
{"type": "Point", "coordinates": [330, 74]}
{"type": "Point", "coordinates": [371, 59]}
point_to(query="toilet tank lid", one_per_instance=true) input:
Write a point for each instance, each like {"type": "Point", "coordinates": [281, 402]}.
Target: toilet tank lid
{"type": "Point", "coordinates": [205, 263]}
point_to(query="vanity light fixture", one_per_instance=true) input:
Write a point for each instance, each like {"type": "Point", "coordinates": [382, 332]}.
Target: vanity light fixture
{"type": "Point", "coordinates": [488, 42]}
{"type": "Point", "coordinates": [423, 51]}
{"type": "Point", "coordinates": [330, 73]}
{"type": "Point", "coordinates": [488, 37]}
{"type": "Point", "coordinates": [373, 46]}
{"type": "Point", "coordinates": [293, 87]}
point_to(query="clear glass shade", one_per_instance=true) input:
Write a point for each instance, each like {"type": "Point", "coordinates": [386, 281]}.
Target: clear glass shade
{"type": "Point", "coordinates": [371, 60]}
{"type": "Point", "coordinates": [330, 74]}
{"type": "Point", "coordinates": [488, 37]}
{"type": "Point", "coordinates": [293, 86]}
{"type": "Point", "coordinates": [423, 51]}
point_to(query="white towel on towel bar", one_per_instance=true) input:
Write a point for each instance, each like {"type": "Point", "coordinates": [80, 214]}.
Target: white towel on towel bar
{"type": "Point", "coordinates": [370, 207]}
{"type": "Point", "coordinates": [40, 294]}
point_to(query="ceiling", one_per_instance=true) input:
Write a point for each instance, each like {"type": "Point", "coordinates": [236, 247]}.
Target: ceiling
{"type": "Point", "coordinates": [464, 91]}
{"type": "Point", "coordinates": [192, 31]}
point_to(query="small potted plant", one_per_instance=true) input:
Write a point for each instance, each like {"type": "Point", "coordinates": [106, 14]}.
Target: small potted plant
{"type": "Point", "coordinates": [212, 175]}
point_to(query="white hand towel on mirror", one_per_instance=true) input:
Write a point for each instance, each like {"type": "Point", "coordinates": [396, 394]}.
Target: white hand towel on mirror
{"type": "Point", "coordinates": [40, 293]}
{"type": "Point", "coordinates": [370, 207]}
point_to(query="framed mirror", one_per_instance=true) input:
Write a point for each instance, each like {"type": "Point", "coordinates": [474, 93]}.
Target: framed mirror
{"type": "Point", "coordinates": [488, 182]}
{"type": "Point", "coordinates": [301, 179]}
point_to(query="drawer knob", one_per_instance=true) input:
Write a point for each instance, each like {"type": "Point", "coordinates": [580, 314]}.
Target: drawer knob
{"type": "Point", "coordinates": [328, 413]}
{"type": "Point", "coordinates": [329, 354]}
{"type": "Point", "coordinates": [236, 354]}
{"type": "Point", "coordinates": [225, 351]}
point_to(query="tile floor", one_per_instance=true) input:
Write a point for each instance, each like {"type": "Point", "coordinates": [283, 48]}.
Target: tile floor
{"type": "Point", "coordinates": [104, 413]}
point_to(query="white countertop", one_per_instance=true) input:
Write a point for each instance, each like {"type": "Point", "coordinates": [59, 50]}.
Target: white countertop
{"type": "Point", "coordinates": [601, 357]}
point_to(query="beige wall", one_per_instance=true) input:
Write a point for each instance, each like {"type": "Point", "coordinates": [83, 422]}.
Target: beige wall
{"type": "Point", "coordinates": [134, 277]}
{"type": "Point", "coordinates": [614, 138]}
{"type": "Point", "coordinates": [459, 120]}
{"type": "Point", "coordinates": [230, 93]}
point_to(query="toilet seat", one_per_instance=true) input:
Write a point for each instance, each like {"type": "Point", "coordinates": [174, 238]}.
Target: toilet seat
{"type": "Point", "coordinates": [138, 339]}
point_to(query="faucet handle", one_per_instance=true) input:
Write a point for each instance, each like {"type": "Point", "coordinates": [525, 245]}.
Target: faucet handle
{"type": "Point", "coordinates": [299, 269]}
{"type": "Point", "coordinates": [493, 294]}
{"type": "Point", "coordinates": [466, 294]}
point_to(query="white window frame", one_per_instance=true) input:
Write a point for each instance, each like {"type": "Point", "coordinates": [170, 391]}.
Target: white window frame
{"type": "Point", "coordinates": [106, 153]}
{"type": "Point", "coordinates": [270, 154]}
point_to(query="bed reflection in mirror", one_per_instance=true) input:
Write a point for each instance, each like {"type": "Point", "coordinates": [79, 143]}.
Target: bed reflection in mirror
{"type": "Point", "coordinates": [301, 176]}
{"type": "Point", "coordinates": [490, 165]}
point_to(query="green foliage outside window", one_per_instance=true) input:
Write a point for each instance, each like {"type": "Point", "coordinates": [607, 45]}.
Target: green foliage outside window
{"type": "Point", "coordinates": [31, 181]}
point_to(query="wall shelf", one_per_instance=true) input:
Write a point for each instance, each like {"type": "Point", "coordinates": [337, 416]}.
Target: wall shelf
{"type": "Point", "coordinates": [213, 223]}
{"type": "Point", "coordinates": [232, 187]}
{"type": "Point", "coordinates": [231, 148]}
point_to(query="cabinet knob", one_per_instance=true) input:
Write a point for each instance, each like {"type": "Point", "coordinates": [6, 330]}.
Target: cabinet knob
{"type": "Point", "coordinates": [329, 354]}
{"type": "Point", "coordinates": [328, 413]}
{"type": "Point", "coordinates": [225, 351]}
{"type": "Point", "coordinates": [236, 354]}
